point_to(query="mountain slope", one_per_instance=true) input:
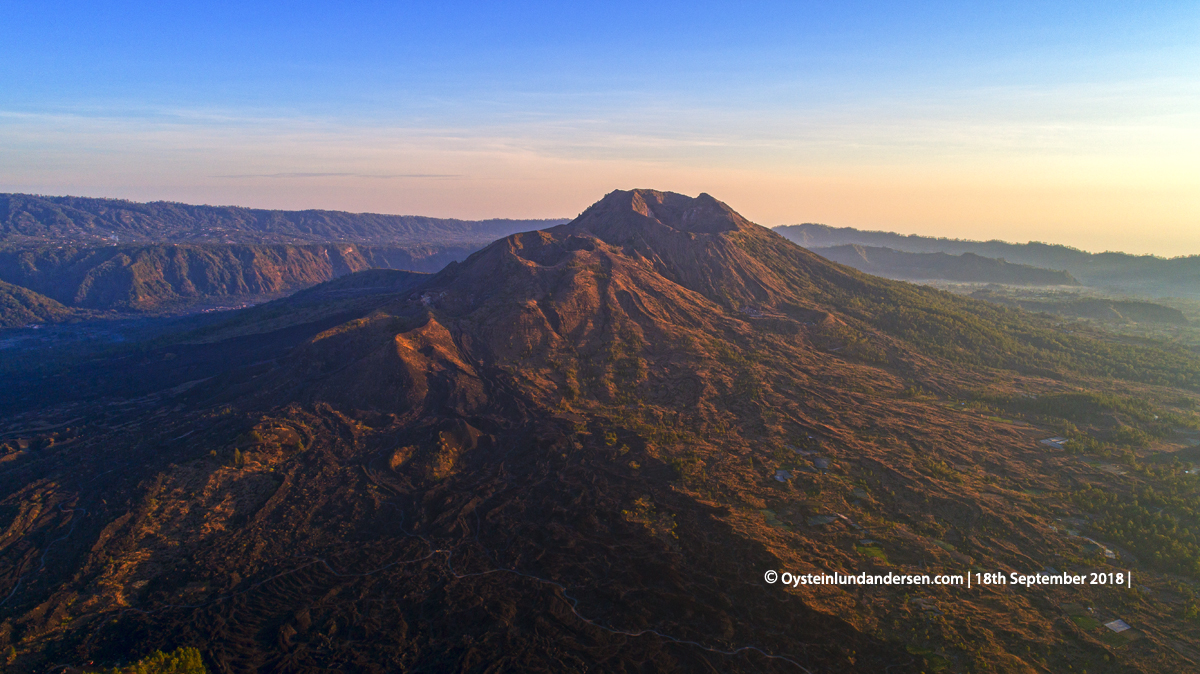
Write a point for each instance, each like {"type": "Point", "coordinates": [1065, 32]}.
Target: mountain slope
{"type": "Point", "coordinates": [580, 448]}
{"type": "Point", "coordinates": [26, 218]}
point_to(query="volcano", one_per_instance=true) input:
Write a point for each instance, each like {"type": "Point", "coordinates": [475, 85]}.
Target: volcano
{"type": "Point", "coordinates": [581, 449]}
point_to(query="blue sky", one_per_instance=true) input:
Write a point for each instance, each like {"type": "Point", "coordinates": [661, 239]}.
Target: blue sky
{"type": "Point", "coordinates": [1065, 122]}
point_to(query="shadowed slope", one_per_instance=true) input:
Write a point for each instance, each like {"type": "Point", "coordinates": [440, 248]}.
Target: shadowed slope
{"type": "Point", "coordinates": [21, 306]}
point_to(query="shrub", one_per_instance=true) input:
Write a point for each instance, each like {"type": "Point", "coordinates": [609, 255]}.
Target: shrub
{"type": "Point", "coordinates": [183, 660]}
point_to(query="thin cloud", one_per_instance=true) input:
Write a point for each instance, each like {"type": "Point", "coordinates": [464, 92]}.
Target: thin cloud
{"type": "Point", "coordinates": [343, 175]}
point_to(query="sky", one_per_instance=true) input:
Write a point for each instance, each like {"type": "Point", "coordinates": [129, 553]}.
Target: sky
{"type": "Point", "coordinates": [1074, 123]}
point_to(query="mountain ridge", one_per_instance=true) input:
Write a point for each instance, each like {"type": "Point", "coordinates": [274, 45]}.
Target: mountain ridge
{"type": "Point", "coordinates": [1146, 275]}
{"type": "Point", "coordinates": [964, 267]}
{"type": "Point", "coordinates": [27, 219]}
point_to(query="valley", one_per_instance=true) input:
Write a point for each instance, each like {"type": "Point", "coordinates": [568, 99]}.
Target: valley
{"type": "Point", "coordinates": [67, 259]}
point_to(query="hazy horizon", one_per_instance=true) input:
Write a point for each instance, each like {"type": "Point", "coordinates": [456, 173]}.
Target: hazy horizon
{"type": "Point", "coordinates": [1073, 123]}
{"type": "Point", "coordinates": [565, 217]}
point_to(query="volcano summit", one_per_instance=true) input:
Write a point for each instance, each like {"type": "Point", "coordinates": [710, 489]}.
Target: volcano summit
{"type": "Point", "coordinates": [581, 448]}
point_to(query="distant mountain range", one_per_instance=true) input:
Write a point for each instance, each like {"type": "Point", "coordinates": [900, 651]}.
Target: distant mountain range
{"type": "Point", "coordinates": [27, 218]}
{"type": "Point", "coordinates": [967, 267]}
{"type": "Point", "coordinates": [1144, 275]}
{"type": "Point", "coordinates": [75, 256]}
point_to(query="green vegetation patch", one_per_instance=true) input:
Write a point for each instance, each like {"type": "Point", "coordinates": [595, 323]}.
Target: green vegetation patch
{"type": "Point", "coordinates": [945, 546]}
{"type": "Point", "coordinates": [872, 551]}
{"type": "Point", "coordinates": [1116, 425]}
{"type": "Point", "coordinates": [1115, 639]}
{"type": "Point", "coordinates": [933, 661]}
{"type": "Point", "coordinates": [1085, 407]}
{"type": "Point", "coordinates": [1160, 523]}
{"type": "Point", "coordinates": [941, 470]}
{"type": "Point", "coordinates": [773, 520]}
{"type": "Point", "coordinates": [184, 660]}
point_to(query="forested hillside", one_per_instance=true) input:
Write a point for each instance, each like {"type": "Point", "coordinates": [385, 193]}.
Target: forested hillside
{"type": "Point", "coordinates": [164, 277]}
{"type": "Point", "coordinates": [21, 306]}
